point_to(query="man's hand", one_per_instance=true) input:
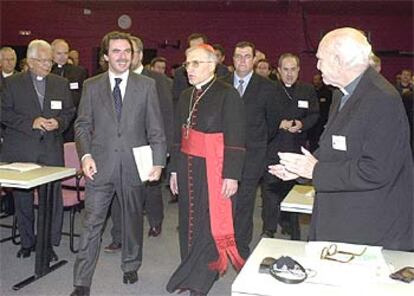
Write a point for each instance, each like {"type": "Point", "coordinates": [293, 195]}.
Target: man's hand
{"type": "Point", "coordinates": [89, 167]}
{"type": "Point", "coordinates": [40, 123]}
{"type": "Point", "coordinates": [299, 164]}
{"type": "Point", "coordinates": [51, 124]}
{"type": "Point", "coordinates": [229, 187]}
{"type": "Point", "coordinates": [285, 124]}
{"type": "Point", "coordinates": [280, 171]}
{"type": "Point", "coordinates": [296, 128]}
{"type": "Point", "coordinates": [173, 183]}
{"type": "Point", "coordinates": [155, 173]}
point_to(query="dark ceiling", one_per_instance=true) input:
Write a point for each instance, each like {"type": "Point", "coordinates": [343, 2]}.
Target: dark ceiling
{"type": "Point", "coordinates": [336, 7]}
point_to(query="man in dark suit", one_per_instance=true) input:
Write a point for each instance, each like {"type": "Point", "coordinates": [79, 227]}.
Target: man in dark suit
{"type": "Point", "coordinates": [153, 202]}
{"type": "Point", "coordinates": [36, 110]}
{"type": "Point", "coordinates": [300, 112]}
{"type": "Point", "coordinates": [7, 62]}
{"type": "Point", "coordinates": [75, 74]}
{"type": "Point", "coordinates": [262, 116]}
{"type": "Point", "coordinates": [119, 110]}
{"type": "Point", "coordinates": [362, 170]}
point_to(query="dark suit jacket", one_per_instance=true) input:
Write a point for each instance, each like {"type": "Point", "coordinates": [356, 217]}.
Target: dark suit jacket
{"type": "Point", "coordinates": [20, 107]}
{"type": "Point", "coordinates": [262, 121]}
{"type": "Point", "coordinates": [165, 101]}
{"type": "Point", "coordinates": [365, 193]}
{"type": "Point", "coordinates": [98, 132]}
{"type": "Point", "coordinates": [76, 76]}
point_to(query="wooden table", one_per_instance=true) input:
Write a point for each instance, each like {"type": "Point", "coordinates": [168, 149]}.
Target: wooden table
{"type": "Point", "coordinates": [27, 180]}
{"type": "Point", "coordinates": [250, 282]}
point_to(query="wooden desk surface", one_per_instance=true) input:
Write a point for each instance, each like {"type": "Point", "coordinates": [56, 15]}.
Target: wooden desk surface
{"type": "Point", "coordinates": [299, 200]}
{"type": "Point", "coordinates": [250, 282]}
{"type": "Point", "coordinates": [33, 178]}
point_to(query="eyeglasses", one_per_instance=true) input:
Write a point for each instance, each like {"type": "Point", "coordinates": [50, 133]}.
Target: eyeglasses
{"type": "Point", "coordinates": [195, 63]}
{"type": "Point", "coordinates": [328, 253]}
{"type": "Point", "coordinates": [43, 61]}
{"type": "Point", "coordinates": [242, 57]}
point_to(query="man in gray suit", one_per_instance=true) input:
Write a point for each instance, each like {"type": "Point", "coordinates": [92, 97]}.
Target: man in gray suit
{"type": "Point", "coordinates": [119, 110]}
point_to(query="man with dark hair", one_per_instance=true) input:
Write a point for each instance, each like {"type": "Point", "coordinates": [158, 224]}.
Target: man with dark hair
{"type": "Point", "coordinates": [263, 68]}
{"type": "Point", "coordinates": [207, 161]}
{"type": "Point", "coordinates": [363, 170]}
{"type": "Point", "coordinates": [262, 121]}
{"type": "Point", "coordinates": [36, 109]}
{"type": "Point", "coordinates": [119, 110]}
{"type": "Point", "coordinates": [75, 74]}
{"type": "Point", "coordinates": [152, 194]}
{"type": "Point", "coordinates": [300, 112]}
{"type": "Point", "coordinates": [159, 65]}
{"type": "Point", "coordinates": [221, 69]}
{"type": "Point", "coordinates": [404, 85]}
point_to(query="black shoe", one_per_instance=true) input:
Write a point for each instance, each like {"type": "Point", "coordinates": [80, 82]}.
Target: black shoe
{"type": "Point", "coordinates": [113, 247]}
{"type": "Point", "coordinates": [268, 234]}
{"type": "Point", "coordinates": [24, 252]}
{"type": "Point", "coordinates": [80, 291]}
{"type": "Point", "coordinates": [52, 256]}
{"type": "Point", "coordinates": [155, 231]}
{"type": "Point", "coordinates": [130, 277]}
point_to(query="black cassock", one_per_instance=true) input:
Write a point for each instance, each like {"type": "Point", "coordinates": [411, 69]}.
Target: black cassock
{"type": "Point", "coordinates": [220, 109]}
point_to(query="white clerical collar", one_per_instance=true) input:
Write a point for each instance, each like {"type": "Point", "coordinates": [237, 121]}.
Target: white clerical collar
{"type": "Point", "coordinates": [6, 74]}
{"type": "Point", "coordinates": [139, 69]}
{"type": "Point", "coordinates": [201, 84]}
{"type": "Point", "coordinates": [60, 66]}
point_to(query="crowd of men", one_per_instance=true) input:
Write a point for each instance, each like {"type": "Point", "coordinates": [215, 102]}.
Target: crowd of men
{"type": "Point", "coordinates": [217, 133]}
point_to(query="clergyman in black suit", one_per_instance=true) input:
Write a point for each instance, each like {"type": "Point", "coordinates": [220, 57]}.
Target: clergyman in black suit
{"type": "Point", "coordinates": [36, 109]}
{"type": "Point", "coordinates": [119, 111]}
{"type": "Point", "coordinates": [363, 170]}
{"type": "Point", "coordinates": [262, 122]}
{"type": "Point", "coordinates": [75, 74]}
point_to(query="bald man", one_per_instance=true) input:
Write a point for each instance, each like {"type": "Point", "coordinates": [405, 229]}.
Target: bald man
{"type": "Point", "coordinates": [363, 169]}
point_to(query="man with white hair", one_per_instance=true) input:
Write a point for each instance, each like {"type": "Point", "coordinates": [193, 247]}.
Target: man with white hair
{"type": "Point", "coordinates": [206, 164]}
{"type": "Point", "coordinates": [36, 109]}
{"type": "Point", "coordinates": [363, 169]}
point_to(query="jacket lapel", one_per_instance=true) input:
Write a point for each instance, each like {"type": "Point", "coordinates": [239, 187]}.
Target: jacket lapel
{"type": "Point", "coordinates": [31, 90]}
{"type": "Point", "coordinates": [106, 95]}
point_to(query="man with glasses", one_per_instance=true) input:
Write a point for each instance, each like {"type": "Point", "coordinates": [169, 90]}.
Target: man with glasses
{"type": "Point", "coordinates": [36, 110]}
{"type": "Point", "coordinates": [262, 121]}
{"type": "Point", "coordinates": [206, 165]}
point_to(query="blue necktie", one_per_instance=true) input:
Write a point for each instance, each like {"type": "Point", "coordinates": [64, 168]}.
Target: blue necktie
{"type": "Point", "coordinates": [117, 98]}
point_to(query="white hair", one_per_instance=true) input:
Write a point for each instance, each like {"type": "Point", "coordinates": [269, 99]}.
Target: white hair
{"type": "Point", "coordinates": [33, 48]}
{"type": "Point", "coordinates": [351, 46]}
{"type": "Point", "coordinates": [211, 56]}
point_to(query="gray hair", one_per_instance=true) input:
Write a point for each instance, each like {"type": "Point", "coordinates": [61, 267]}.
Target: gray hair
{"type": "Point", "coordinates": [208, 49]}
{"type": "Point", "coordinates": [351, 45]}
{"type": "Point", "coordinates": [7, 49]}
{"type": "Point", "coordinates": [33, 48]}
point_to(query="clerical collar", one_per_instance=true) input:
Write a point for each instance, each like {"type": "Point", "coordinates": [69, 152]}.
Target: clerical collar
{"type": "Point", "coordinates": [60, 66]}
{"type": "Point", "coordinates": [349, 89]}
{"type": "Point", "coordinates": [6, 74]}
{"type": "Point", "coordinates": [36, 77]}
{"type": "Point", "coordinates": [289, 85]}
{"type": "Point", "coordinates": [200, 85]}
{"type": "Point", "coordinates": [139, 69]}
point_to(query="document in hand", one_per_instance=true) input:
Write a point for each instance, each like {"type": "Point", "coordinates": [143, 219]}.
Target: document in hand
{"type": "Point", "coordinates": [20, 166]}
{"type": "Point", "coordinates": [143, 160]}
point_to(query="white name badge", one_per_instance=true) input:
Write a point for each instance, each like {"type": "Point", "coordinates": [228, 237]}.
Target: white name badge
{"type": "Point", "coordinates": [322, 100]}
{"type": "Point", "coordinates": [339, 143]}
{"type": "Point", "coordinates": [73, 85]}
{"type": "Point", "coordinates": [56, 105]}
{"type": "Point", "coordinates": [303, 104]}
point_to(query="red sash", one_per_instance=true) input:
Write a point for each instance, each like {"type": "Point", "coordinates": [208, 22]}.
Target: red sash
{"type": "Point", "coordinates": [211, 147]}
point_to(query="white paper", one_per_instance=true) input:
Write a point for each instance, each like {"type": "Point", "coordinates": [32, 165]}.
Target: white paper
{"type": "Point", "coordinates": [20, 166]}
{"type": "Point", "coordinates": [143, 161]}
{"type": "Point", "coordinates": [56, 105]}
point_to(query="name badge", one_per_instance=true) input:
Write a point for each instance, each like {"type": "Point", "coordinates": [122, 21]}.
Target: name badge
{"type": "Point", "coordinates": [322, 100]}
{"type": "Point", "coordinates": [303, 104]}
{"type": "Point", "coordinates": [339, 143]}
{"type": "Point", "coordinates": [73, 85]}
{"type": "Point", "coordinates": [56, 105]}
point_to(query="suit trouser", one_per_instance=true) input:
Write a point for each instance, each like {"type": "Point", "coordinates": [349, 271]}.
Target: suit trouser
{"type": "Point", "coordinates": [244, 203]}
{"type": "Point", "coordinates": [97, 202]}
{"type": "Point", "coordinates": [23, 202]}
{"type": "Point", "coordinates": [153, 205]}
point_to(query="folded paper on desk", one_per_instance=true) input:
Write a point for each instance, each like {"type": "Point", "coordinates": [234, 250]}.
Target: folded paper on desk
{"type": "Point", "coordinates": [20, 166]}
{"type": "Point", "coordinates": [143, 160]}
{"type": "Point", "coordinates": [367, 264]}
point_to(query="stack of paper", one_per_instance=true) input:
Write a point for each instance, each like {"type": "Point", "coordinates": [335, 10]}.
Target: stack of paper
{"type": "Point", "coordinates": [143, 161]}
{"type": "Point", "coordinates": [20, 166]}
